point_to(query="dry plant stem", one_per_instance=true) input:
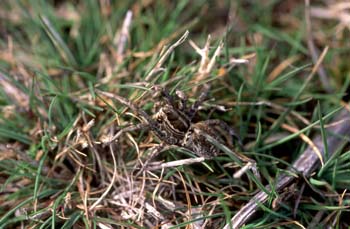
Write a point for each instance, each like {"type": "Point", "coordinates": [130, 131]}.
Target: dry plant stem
{"type": "Point", "coordinates": [128, 129]}
{"type": "Point", "coordinates": [305, 164]}
{"type": "Point", "coordinates": [158, 67]}
{"type": "Point", "coordinates": [314, 52]}
{"type": "Point", "coordinates": [111, 183]}
{"type": "Point", "coordinates": [207, 64]}
{"type": "Point", "coordinates": [154, 152]}
{"type": "Point", "coordinates": [123, 36]}
{"type": "Point", "coordinates": [18, 97]}
{"type": "Point", "coordinates": [177, 163]}
{"type": "Point", "coordinates": [165, 55]}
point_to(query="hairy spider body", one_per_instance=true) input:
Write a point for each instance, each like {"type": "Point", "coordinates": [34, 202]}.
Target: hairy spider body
{"type": "Point", "coordinates": [198, 143]}
{"type": "Point", "coordinates": [172, 122]}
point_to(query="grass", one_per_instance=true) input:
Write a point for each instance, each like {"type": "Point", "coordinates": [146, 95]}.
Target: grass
{"type": "Point", "coordinates": [56, 166]}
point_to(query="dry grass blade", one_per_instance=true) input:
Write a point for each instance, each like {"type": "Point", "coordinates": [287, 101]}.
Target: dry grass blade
{"type": "Point", "coordinates": [314, 52]}
{"type": "Point", "coordinates": [281, 67]}
{"type": "Point", "coordinates": [335, 11]}
{"type": "Point", "coordinates": [176, 163]}
{"type": "Point", "coordinates": [164, 56]}
{"type": "Point", "coordinates": [110, 184]}
{"type": "Point", "coordinates": [206, 64]}
{"type": "Point", "coordinates": [121, 39]}
{"type": "Point", "coordinates": [18, 97]}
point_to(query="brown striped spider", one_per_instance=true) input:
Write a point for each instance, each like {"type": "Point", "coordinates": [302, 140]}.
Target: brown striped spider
{"type": "Point", "coordinates": [173, 124]}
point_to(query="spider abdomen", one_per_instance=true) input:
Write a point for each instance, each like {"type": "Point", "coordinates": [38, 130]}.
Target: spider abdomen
{"type": "Point", "coordinates": [196, 141]}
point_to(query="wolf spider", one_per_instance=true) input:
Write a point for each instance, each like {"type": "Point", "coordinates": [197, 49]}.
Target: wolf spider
{"type": "Point", "coordinates": [173, 124]}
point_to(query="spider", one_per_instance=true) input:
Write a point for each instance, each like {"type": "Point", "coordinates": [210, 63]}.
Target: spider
{"type": "Point", "coordinates": [172, 122]}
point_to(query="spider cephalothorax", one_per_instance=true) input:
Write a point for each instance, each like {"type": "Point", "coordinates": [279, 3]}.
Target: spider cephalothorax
{"type": "Point", "coordinates": [173, 123]}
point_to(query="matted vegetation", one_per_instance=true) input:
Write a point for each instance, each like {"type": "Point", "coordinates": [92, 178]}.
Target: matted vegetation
{"type": "Point", "coordinates": [105, 108]}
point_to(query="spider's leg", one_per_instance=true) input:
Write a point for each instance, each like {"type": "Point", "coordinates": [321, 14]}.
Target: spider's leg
{"type": "Point", "coordinates": [165, 94]}
{"type": "Point", "coordinates": [153, 124]}
{"type": "Point", "coordinates": [155, 151]}
{"type": "Point", "coordinates": [168, 98]}
{"type": "Point", "coordinates": [194, 108]}
{"type": "Point", "coordinates": [250, 163]}
{"type": "Point", "coordinates": [223, 125]}
{"type": "Point", "coordinates": [183, 100]}
{"type": "Point", "coordinates": [138, 126]}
